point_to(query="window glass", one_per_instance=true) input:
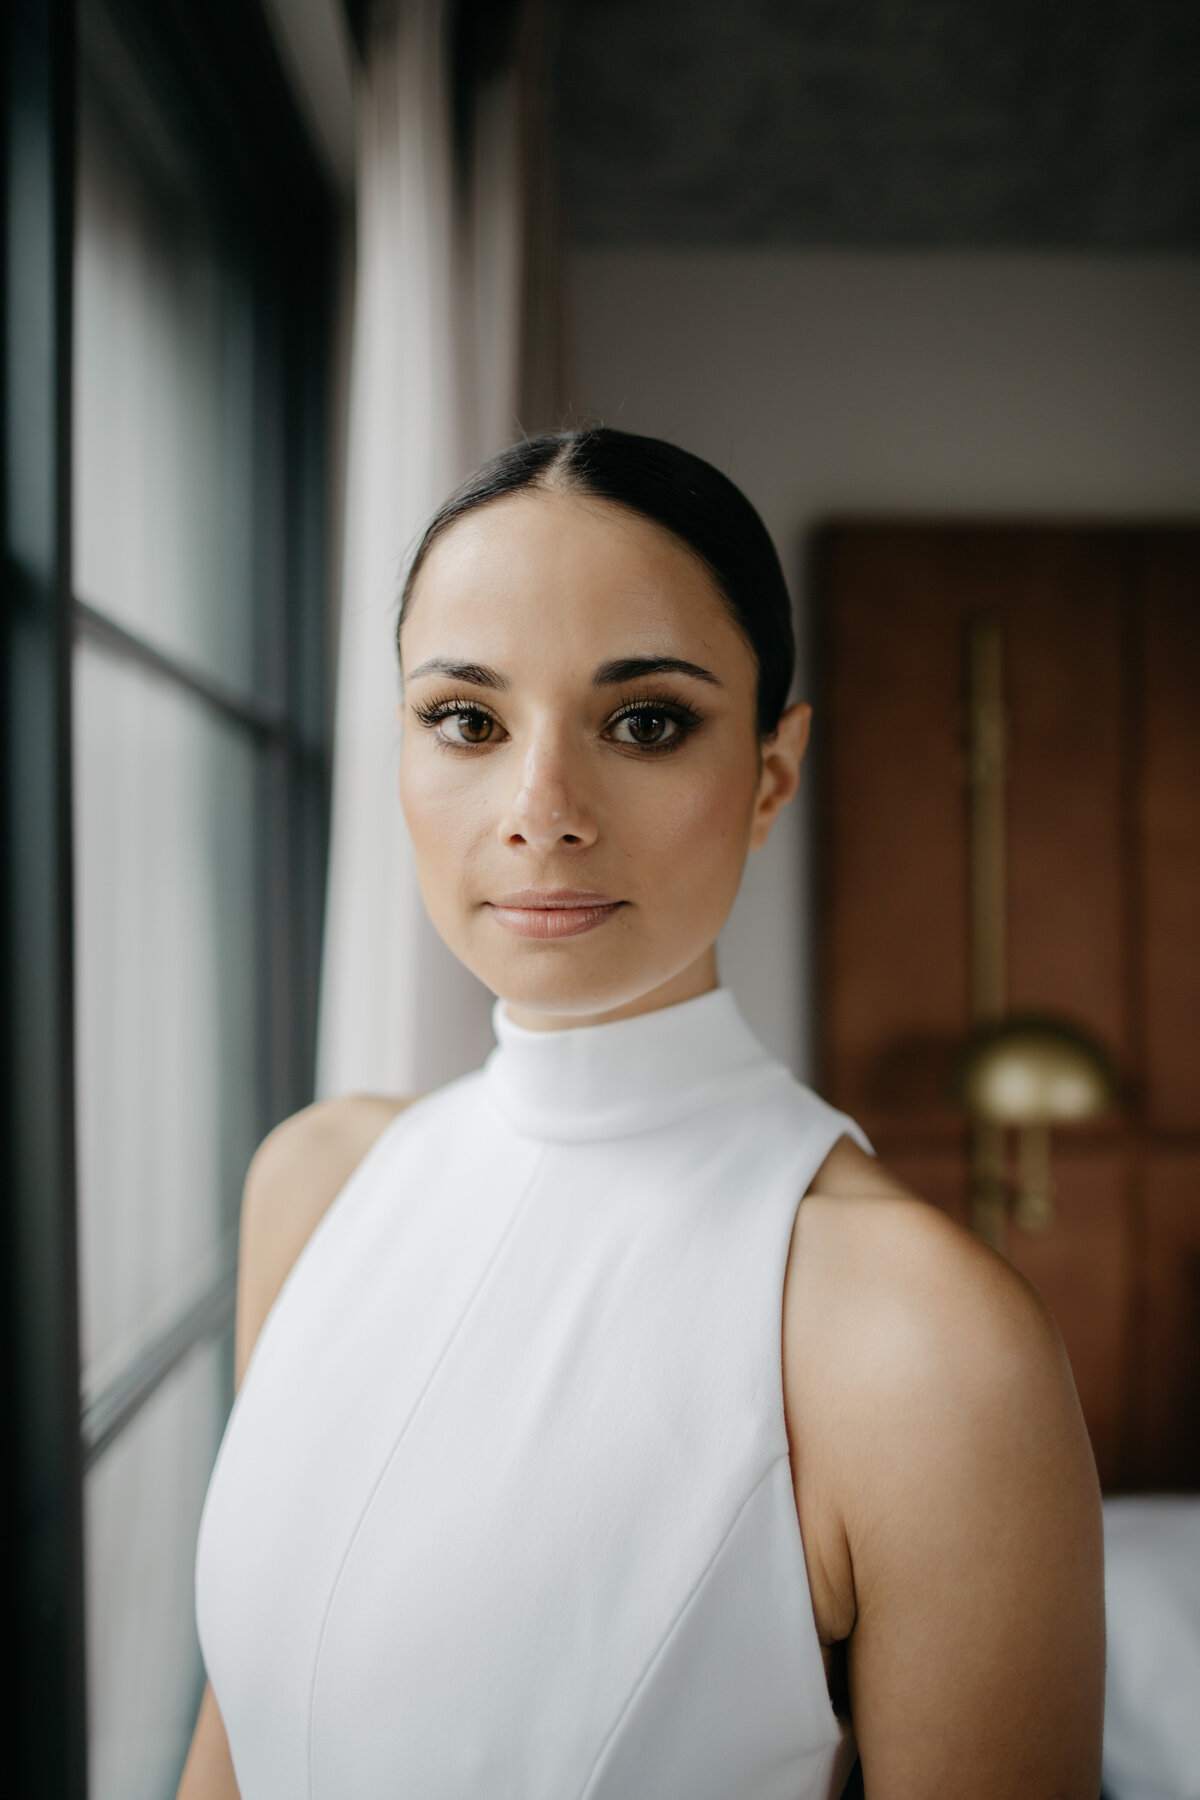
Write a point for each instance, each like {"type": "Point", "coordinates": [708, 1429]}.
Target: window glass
{"type": "Point", "coordinates": [165, 371]}
{"type": "Point", "coordinates": [167, 1071]}
{"type": "Point", "coordinates": [200, 349]}
{"type": "Point", "coordinates": [142, 1504]}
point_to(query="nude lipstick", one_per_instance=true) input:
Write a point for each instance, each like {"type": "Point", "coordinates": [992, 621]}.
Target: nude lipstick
{"type": "Point", "coordinates": [552, 912]}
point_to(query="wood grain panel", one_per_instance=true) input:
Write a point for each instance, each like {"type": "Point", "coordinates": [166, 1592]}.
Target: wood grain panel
{"type": "Point", "coordinates": [891, 767]}
{"type": "Point", "coordinates": [1063, 698]}
{"type": "Point", "coordinates": [1170, 1388]}
{"type": "Point", "coordinates": [887, 745]}
{"type": "Point", "coordinates": [1171, 830]}
{"type": "Point", "coordinates": [1102, 687]}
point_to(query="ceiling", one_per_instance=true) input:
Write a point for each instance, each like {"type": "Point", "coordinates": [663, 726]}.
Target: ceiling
{"type": "Point", "coordinates": [881, 123]}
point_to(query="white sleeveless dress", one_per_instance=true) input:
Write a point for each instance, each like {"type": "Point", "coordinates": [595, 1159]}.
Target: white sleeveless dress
{"type": "Point", "coordinates": [504, 1507]}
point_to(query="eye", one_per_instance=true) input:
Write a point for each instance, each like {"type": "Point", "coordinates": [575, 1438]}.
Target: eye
{"type": "Point", "coordinates": [653, 723]}
{"type": "Point", "coordinates": [458, 724]}
{"type": "Point", "coordinates": [647, 728]}
{"type": "Point", "coordinates": [467, 726]}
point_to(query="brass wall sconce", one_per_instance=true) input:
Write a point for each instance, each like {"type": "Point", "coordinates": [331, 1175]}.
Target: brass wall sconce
{"type": "Point", "coordinates": [1029, 1072]}
{"type": "Point", "coordinates": [1026, 1071]}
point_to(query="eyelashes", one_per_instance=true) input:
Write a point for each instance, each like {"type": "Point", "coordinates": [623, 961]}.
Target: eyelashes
{"type": "Point", "coordinates": [474, 726]}
{"type": "Point", "coordinates": [665, 708]}
{"type": "Point", "coordinates": [433, 713]}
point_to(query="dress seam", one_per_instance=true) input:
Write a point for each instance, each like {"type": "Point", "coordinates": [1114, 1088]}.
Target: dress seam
{"type": "Point", "coordinates": [391, 1455]}
{"type": "Point", "coordinates": [668, 1634]}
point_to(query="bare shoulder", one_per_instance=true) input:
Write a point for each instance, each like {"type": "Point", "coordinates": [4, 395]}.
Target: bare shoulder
{"type": "Point", "coordinates": [297, 1172]}
{"type": "Point", "coordinates": [901, 1328]}
{"type": "Point", "coordinates": [947, 1493]}
{"type": "Point", "coordinates": [899, 1292]}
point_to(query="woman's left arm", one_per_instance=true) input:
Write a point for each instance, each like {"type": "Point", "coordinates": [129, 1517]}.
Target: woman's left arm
{"type": "Point", "coordinates": [971, 1512]}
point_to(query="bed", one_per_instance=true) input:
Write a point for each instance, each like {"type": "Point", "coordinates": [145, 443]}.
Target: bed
{"type": "Point", "coordinates": [1152, 1591]}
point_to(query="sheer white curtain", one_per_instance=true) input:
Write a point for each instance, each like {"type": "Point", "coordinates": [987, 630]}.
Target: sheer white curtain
{"type": "Point", "coordinates": [436, 374]}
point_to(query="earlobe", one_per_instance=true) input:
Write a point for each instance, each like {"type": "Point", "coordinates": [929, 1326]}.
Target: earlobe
{"type": "Point", "coordinates": [782, 755]}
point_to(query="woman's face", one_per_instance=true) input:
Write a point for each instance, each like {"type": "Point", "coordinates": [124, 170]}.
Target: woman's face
{"type": "Point", "coordinates": [581, 771]}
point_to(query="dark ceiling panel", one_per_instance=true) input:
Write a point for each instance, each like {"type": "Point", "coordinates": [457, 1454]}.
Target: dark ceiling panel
{"type": "Point", "coordinates": [988, 123]}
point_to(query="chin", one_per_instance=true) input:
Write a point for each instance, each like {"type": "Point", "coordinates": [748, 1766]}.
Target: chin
{"type": "Point", "coordinates": [591, 976]}
{"type": "Point", "coordinates": [563, 985]}
{"type": "Point", "coordinates": [560, 991]}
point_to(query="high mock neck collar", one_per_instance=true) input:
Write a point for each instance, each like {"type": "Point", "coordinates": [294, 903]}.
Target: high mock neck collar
{"type": "Point", "coordinates": [604, 1081]}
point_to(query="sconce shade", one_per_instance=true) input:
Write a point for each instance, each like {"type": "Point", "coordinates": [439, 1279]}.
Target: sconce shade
{"type": "Point", "coordinates": [1032, 1069]}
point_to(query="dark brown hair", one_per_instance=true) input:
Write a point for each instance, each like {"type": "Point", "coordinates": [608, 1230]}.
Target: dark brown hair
{"type": "Point", "coordinates": [673, 488]}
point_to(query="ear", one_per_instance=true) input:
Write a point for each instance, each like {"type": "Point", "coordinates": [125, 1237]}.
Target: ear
{"type": "Point", "coordinates": [782, 754]}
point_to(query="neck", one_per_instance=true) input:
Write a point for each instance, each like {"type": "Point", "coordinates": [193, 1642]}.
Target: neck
{"type": "Point", "coordinates": [698, 978]}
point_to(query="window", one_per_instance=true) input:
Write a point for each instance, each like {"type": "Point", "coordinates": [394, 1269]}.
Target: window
{"type": "Point", "coordinates": [179, 810]}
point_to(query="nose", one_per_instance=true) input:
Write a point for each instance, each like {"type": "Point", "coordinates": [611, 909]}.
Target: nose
{"type": "Point", "coordinates": [547, 806]}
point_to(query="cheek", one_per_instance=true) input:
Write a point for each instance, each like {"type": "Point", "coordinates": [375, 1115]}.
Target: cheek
{"type": "Point", "coordinates": [701, 820]}
{"type": "Point", "coordinates": [439, 806]}
{"type": "Point", "coordinates": [419, 800]}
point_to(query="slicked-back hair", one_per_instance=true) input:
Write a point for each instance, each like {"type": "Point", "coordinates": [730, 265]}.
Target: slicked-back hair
{"type": "Point", "coordinates": [699, 505]}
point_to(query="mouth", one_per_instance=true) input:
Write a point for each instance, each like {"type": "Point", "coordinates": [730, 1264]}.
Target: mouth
{"type": "Point", "coordinates": [552, 912]}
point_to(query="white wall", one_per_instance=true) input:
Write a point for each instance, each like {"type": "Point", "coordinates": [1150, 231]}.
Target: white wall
{"type": "Point", "coordinates": [948, 385]}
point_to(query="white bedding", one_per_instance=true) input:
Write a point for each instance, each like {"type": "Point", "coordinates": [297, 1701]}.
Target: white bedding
{"type": "Point", "coordinates": [1152, 1590]}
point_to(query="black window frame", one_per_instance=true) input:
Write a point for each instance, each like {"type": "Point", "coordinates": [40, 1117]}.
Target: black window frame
{"type": "Point", "coordinates": [217, 63]}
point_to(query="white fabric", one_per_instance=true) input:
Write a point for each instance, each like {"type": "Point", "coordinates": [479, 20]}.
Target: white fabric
{"type": "Point", "coordinates": [504, 1506]}
{"type": "Point", "coordinates": [434, 374]}
{"type": "Point", "coordinates": [1152, 1597]}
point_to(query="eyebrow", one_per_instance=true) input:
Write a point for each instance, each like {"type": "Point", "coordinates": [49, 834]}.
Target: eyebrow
{"type": "Point", "coordinates": [478, 674]}
{"type": "Point", "coordinates": [629, 668]}
{"type": "Point", "coordinates": [610, 674]}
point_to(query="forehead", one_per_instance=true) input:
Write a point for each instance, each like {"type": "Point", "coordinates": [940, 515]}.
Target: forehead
{"type": "Point", "coordinates": [570, 572]}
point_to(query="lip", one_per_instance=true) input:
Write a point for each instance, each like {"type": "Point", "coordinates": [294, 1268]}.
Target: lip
{"type": "Point", "coordinates": [552, 898]}
{"type": "Point", "coordinates": [552, 912]}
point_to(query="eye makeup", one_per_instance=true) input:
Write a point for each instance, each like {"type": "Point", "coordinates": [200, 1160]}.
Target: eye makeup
{"type": "Point", "coordinates": [432, 713]}
{"type": "Point", "coordinates": [476, 718]}
{"type": "Point", "coordinates": [669, 707]}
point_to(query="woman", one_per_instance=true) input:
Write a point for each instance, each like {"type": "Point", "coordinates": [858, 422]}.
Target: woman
{"type": "Point", "coordinates": [576, 1457]}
